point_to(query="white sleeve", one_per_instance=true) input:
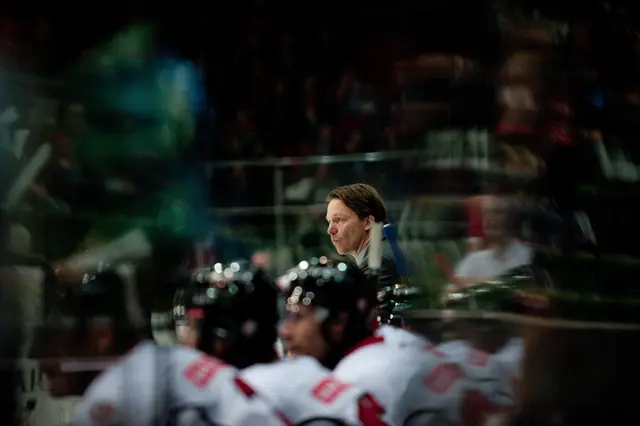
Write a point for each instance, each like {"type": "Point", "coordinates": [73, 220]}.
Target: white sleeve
{"type": "Point", "coordinates": [103, 403]}
{"type": "Point", "coordinates": [464, 267]}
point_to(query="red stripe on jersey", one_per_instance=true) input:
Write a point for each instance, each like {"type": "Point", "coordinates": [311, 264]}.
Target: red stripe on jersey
{"type": "Point", "coordinates": [284, 419]}
{"type": "Point", "coordinates": [370, 411]}
{"type": "Point", "coordinates": [244, 387]}
{"type": "Point", "coordinates": [371, 340]}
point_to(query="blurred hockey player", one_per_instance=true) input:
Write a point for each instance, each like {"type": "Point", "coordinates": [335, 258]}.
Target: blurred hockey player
{"type": "Point", "coordinates": [508, 362]}
{"type": "Point", "coordinates": [414, 383]}
{"type": "Point", "coordinates": [90, 328]}
{"type": "Point", "coordinates": [573, 359]}
{"type": "Point", "coordinates": [329, 312]}
{"type": "Point", "coordinates": [493, 378]}
{"type": "Point", "coordinates": [233, 314]}
{"type": "Point", "coordinates": [489, 350]}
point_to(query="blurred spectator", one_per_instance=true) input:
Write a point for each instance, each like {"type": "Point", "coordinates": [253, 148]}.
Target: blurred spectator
{"type": "Point", "coordinates": [503, 252]}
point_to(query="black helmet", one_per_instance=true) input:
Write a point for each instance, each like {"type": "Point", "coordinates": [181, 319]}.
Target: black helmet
{"type": "Point", "coordinates": [239, 308]}
{"type": "Point", "coordinates": [335, 288]}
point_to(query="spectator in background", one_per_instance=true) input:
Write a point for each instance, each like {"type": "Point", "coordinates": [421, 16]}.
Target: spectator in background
{"type": "Point", "coordinates": [503, 251]}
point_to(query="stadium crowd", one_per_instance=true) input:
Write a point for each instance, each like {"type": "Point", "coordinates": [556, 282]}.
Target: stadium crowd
{"type": "Point", "coordinates": [517, 95]}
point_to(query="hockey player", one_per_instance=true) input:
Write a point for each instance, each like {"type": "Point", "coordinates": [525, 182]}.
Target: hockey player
{"type": "Point", "coordinates": [234, 311]}
{"type": "Point", "coordinates": [492, 347]}
{"type": "Point", "coordinates": [329, 310]}
{"type": "Point", "coordinates": [494, 378]}
{"type": "Point", "coordinates": [150, 385]}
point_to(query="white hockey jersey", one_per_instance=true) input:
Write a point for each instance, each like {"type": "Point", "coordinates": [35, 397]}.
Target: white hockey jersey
{"type": "Point", "coordinates": [509, 360]}
{"type": "Point", "coordinates": [306, 393]}
{"type": "Point", "coordinates": [482, 368]}
{"type": "Point", "coordinates": [395, 368]}
{"type": "Point", "coordinates": [155, 385]}
{"type": "Point", "coordinates": [401, 337]}
{"type": "Point", "coordinates": [485, 396]}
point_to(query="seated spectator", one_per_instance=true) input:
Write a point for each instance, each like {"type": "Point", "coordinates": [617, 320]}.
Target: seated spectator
{"type": "Point", "coordinates": [502, 253]}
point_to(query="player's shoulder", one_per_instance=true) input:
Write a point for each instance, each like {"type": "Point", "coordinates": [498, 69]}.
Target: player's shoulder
{"type": "Point", "coordinates": [385, 346]}
{"type": "Point", "coordinates": [454, 348]}
{"type": "Point", "coordinates": [197, 377]}
{"type": "Point", "coordinates": [135, 360]}
{"type": "Point", "coordinates": [398, 363]}
{"type": "Point", "coordinates": [515, 346]}
{"type": "Point", "coordinates": [510, 356]}
{"type": "Point", "coordinates": [100, 402]}
{"type": "Point", "coordinates": [184, 355]}
{"type": "Point", "coordinates": [462, 352]}
{"type": "Point", "coordinates": [155, 358]}
{"type": "Point", "coordinates": [290, 364]}
{"type": "Point", "coordinates": [289, 373]}
{"type": "Point", "coordinates": [400, 337]}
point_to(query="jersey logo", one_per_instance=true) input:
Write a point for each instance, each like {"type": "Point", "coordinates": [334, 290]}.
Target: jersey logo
{"type": "Point", "coordinates": [102, 412]}
{"type": "Point", "coordinates": [478, 358]}
{"type": "Point", "coordinates": [202, 371]}
{"type": "Point", "coordinates": [329, 389]}
{"type": "Point", "coordinates": [442, 378]}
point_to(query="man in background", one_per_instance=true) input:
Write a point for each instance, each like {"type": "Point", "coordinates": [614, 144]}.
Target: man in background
{"type": "Point", "coordinates": [351, 212]}
{"type": "Point", "coordinates": [502, 250]}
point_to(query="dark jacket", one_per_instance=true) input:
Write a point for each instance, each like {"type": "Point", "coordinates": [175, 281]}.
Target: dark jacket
{"type": "Point", "coordinates": [388, 269]}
